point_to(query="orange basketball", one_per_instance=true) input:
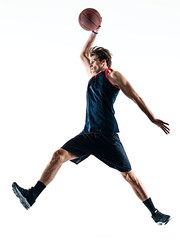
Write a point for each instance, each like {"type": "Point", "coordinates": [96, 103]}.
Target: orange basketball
{"type": "Point", "coordinates": [90, 19]}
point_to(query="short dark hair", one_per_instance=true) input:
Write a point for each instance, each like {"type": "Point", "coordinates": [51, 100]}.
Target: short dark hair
{"type": "Point", "coordinates": [102, 53]}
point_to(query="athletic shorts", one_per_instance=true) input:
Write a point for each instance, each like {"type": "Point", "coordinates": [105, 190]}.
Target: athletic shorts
{"type": "Point", "coordinates": [106, 147]}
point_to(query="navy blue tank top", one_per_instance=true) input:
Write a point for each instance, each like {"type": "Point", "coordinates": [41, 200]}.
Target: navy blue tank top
{"type": "Point", "coordinates": [101, 95]}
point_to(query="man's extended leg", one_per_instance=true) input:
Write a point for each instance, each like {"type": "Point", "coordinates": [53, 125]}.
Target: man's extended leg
{"type": "Point", "coordinates": [136, 185]}
{"type": "Point", "coordinates": [142, 194]}
{"type": "Point", "coordinates": [28, 197]}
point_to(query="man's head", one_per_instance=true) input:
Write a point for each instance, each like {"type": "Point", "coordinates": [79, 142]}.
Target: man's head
{"type": "Point", "coordinates": [100, 59]}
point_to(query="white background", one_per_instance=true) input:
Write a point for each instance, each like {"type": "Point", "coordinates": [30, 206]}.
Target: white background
{"type": "Point", "coordinates": [43, 99]}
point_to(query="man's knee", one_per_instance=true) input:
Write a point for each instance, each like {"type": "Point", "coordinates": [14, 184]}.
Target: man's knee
{"type": "Point", "coordinates": [58, 157]}
{"type": "Point", "coordinates": [129, 177]}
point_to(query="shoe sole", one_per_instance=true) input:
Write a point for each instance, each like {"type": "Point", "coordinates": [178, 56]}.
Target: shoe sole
{"type": "Point", "coordinates": [18, 194]}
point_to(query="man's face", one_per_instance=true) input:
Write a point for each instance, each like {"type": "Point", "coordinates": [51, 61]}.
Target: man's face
{"type": "Point", "coordinates": [95, 65]}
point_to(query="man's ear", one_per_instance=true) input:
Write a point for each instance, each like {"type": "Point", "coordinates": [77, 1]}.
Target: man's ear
{"type": "Point", "coordinates": [103, 62]}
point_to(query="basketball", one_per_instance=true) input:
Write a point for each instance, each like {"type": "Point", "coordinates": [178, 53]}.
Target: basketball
{"type": "Point", "coordinates": [90, 19]}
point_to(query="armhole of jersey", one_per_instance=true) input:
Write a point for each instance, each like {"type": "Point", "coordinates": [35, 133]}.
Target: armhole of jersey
{"type": "Point", "coordinates": [106, 73]}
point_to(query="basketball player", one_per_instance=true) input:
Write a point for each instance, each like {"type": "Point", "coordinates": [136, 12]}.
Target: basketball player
{"type": "Point", "coordinates": [99, 136]}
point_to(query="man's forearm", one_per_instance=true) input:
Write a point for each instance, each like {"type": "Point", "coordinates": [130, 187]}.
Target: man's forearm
{"type": "Point", "coordinates": [88, 45]}
{"type": "Point", "coordinates": [158, 122]}
{"type": "Point", "coordinates": [144, 108]}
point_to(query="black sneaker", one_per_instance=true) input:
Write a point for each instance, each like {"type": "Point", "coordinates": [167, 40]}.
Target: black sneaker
{"type": "Point", "coordinates": [160, 218]}
{"type": "Point", "coordinates": [25, 196]}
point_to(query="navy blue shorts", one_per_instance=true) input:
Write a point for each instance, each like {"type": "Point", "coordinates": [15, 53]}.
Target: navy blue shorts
{"type": "Point", "coordinates": [106, 147]}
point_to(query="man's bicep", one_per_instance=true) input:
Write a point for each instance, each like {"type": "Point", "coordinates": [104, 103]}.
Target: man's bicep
{"type": "Point", "coordinates": [126, 87]}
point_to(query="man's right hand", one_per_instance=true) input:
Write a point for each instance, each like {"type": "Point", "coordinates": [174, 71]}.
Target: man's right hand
{"type": "Point", "coordinates": [162, 125]}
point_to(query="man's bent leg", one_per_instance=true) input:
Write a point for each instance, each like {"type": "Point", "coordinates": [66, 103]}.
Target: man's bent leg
{"type": "Point", "coordinates": [28, 197]}
{"type": "Point", "coordinates": [58, 158]}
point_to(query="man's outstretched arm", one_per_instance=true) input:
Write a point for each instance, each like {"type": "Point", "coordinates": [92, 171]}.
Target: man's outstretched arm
{"type": "Point", "coordinates": [119, 80]}
{"type": "Point", "coordinates": [86, 50]}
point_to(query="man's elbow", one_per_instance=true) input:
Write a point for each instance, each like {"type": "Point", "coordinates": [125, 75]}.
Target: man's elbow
{"type": "Point", "coordinates": [84, 54]}
{"type": "Point", "coordinates": [84, 57]}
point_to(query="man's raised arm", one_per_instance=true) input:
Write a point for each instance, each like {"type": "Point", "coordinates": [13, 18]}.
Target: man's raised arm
{"type": "Point", "coordinates": [86, 50]}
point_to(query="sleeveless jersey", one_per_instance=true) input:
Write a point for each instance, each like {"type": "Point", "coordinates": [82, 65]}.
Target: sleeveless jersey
{"type": "Point", "coordinates": [101, 95]}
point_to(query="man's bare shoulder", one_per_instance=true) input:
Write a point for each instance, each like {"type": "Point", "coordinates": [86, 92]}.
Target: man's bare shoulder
{"type": "Point", "coordinates": [117, 79]}
{"type": "Point", "coordinates": [113, 76]}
